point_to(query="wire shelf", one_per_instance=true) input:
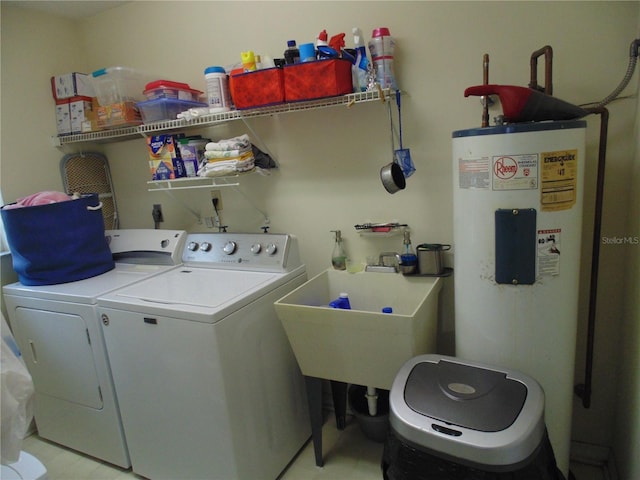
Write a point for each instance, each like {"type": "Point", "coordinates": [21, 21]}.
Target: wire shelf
{"type": "Point", "coordinates": [126, 133]}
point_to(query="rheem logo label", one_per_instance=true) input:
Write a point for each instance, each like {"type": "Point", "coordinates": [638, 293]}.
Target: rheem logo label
{"type": "Point", "coordinates": [505, 168]}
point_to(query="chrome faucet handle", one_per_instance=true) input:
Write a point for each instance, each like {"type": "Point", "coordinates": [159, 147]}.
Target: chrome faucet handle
{"type": "Point", "coordinates": [384, 255]}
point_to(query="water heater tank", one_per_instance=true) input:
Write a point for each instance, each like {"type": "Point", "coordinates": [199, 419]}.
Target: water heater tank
{"type": "Point", "coordinates": [518, 195]}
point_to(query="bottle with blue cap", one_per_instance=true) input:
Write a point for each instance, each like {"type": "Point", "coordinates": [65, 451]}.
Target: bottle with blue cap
{"type": "Point", "coordinates": [292, 53]}
{"type": "Point", "coordinates": [341, 302]}
{"type": "Point", "coordinates": [218, 97]}
{"type": "Point", "coordinates": [361, 62]}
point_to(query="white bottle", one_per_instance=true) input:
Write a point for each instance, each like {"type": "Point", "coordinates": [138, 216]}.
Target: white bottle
{"type": "Point", "coordinates": [359, 68]}
{"type": "Point", "coordinates": [381, 47]}
{"type": "Point", "coordinates": [218, 97]}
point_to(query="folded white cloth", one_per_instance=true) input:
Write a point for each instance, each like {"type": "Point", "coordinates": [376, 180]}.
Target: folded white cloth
{"type": "Point", "coordinates": [220, 168]}
{"type": "Point", "coordinates": [225, 153]}
{"type": "Point", "coordinates": [235, 143]}
{"type": "Point", "coordinates": [217, 169]}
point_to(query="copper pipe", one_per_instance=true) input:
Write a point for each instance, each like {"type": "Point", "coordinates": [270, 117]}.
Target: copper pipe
{"type": "Point", "coordinates": [485, 81]}
{"type": "Point", "coordinates": [584, 390]}
{"type": "Point", "coordinates": [547, 51]}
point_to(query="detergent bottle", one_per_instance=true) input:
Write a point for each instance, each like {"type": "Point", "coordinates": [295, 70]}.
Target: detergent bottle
{"type": "Point", "coordinates": [361, 63]}
{"type": "Point", "coordinates": [381, 47]}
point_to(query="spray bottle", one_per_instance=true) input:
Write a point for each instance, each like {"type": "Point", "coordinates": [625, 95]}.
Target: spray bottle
{"type": "Point", "coordinates": [321, 39]}
{"type": "Point", "coordinates": [361, 64]}
{"type": "Point", "coordinates": [338, 257]}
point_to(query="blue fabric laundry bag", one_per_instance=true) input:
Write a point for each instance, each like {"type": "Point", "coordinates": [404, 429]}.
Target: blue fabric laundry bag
{"type": "Point", "coordinates": [58, 242]}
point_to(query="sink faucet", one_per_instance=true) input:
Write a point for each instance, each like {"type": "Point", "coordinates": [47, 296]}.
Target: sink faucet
{"type": "Point", "coordinates": [382, 267]}
{"type": "Point", "coordinates": [384, 255]}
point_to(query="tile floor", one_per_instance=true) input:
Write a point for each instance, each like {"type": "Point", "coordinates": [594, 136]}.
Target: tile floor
{"type": "Point", "coordinates": [348, 455]}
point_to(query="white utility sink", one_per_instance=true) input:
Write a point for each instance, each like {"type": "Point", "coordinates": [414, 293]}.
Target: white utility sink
{"type": "Point", "coordinates": [362, 346]}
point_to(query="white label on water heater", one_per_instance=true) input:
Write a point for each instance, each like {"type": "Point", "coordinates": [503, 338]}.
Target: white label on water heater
{"type": "Point", "coordinates": [549, 251]}
{"type": "Point", "coordinates": [515, 172]}
{"type": "Point", "coordinates": [473, 173]}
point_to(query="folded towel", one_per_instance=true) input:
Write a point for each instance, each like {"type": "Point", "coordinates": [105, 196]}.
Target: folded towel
{"type": "Point", "coordinates": [221, 167]}
{"type": "Point", "coordinates": [225, 153]}
{"type": "Point", "coordinates": [218, 169]}
{"type": "Point", "coordinates": [244, 156]}
{"type": "Point", "coordinates": [235, 143]}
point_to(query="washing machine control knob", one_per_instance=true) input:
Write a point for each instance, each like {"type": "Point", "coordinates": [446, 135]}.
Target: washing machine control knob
{"type": "Point", "coordinates": [271, 249]}
{"type": "Point", "coordinates": [256, 248]}
{"type": "Point", "coordinates": [193, 246]}
{"type": "Point", "coordinates": [229, 247]}
{"type": "Point", "coordinates": [205, 247]}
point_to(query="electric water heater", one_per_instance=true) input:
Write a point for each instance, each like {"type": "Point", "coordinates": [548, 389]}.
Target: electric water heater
{"type": "Point", "coordinates": [518, 199]}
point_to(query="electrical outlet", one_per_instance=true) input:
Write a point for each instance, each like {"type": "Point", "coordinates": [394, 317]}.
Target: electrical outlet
{"type": "Point", "coordinates": [216, 198]}
{"type": "Point", "coordinates": [157, 213]}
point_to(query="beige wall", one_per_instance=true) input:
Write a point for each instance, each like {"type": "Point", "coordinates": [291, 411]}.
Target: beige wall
{"type": "Point", "coordinates": [627, 441]}
{"type": "Point", "coordinates": [330, 159]}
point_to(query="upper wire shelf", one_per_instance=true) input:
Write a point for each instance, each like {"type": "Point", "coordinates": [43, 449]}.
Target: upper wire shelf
{"type": "Point", "coordinates": [126, 133]}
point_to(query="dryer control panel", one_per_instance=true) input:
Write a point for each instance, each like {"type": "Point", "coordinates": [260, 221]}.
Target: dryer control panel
{"type": "Point", "coordinates": [242, 251]}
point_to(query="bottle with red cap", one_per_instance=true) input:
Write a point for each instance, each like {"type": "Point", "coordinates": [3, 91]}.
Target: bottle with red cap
{"type": "Point", "coordinates": [381, 47]}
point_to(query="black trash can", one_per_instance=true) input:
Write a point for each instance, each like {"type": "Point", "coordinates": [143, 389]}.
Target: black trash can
{"type": "Point", "coordinates": [452, 419]}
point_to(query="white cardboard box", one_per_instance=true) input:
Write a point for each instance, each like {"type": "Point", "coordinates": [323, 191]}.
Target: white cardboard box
{"type": "Point", "coordinates": [81, 110]}
{"type": "Point", "coordinates": [63, 117]}
{"type": "Point", "coordinates": [72, 85]}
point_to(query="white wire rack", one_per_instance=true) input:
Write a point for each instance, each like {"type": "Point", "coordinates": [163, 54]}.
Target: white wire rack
{"type": "Point", "coordinates": [120, 134]}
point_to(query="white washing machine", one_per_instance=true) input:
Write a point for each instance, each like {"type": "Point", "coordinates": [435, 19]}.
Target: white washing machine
{"type": "Point", "coordinates": [207, 382]}
{"type": "Point", "coordinates": [60, 335]}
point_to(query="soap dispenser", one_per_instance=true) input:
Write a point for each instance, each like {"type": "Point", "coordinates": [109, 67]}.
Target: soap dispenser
{"type": "Point", "coordinates": [408, 259]}
{"type": "Point", "coordinates": [338, 257]}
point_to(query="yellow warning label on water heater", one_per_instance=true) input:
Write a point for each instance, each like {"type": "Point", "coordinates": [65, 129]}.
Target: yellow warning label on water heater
{"type": "Point", "coordinates": [558, 180]}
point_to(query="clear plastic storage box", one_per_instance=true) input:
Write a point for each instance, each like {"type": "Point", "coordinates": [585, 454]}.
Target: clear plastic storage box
{"type": "Point", "coordinates": [119, 84]}
{"type": "Point", "coordinates": [164, 108]}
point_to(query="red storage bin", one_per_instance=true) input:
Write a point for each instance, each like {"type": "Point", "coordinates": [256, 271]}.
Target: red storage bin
{"type": "Point", "coordinates": [257, 89]}
{"type": "Point", "coordinates": [169, 89]}
{"type": "Point", "coordinates": [317, 79]}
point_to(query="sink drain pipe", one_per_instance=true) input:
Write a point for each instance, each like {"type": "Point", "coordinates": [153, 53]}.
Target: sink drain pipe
{"type": "Point", "coordinates": [372, 401]}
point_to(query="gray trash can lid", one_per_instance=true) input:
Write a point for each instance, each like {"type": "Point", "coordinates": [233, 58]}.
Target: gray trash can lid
{"type": "Point", "coordinates": [478, 414]}
{"type": "Point", "coordinates": [466, 396]}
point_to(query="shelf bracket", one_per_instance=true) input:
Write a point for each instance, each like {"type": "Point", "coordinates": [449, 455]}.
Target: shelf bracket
{"type": "Point", "coordinates": [263, 144]}
{"type": "Point", "coordinates": [143, 134]}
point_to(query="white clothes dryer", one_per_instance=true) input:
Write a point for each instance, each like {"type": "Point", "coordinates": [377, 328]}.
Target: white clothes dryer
{"type": "Point", "coordinates": [58, 330]}
{"type": "Point", "coordinates": [207, 382]}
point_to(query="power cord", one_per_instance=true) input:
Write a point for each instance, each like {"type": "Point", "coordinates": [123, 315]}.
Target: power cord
{"type": "Point", "coordinates": [216, 220]}
{"type": "Point", "coordinates": [156, 213]}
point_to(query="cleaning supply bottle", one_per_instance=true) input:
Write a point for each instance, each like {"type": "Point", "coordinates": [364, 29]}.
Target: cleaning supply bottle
{"type": "Point", "coordinates": [408, 257]}
{"type": "Point", "coordinates": [291, 54]}
{"type": "Point", "coordinates": [321, 40]}
{"type": "Point", "coordinates": [361, 63]}
{"type": "Point", "coordinates": [338, 257]}
{"type": "Point", "coordinates": [218, 96]}
{"type": "Point", "coordinates": [381, 47]}
{"type": "Point", "coordinates": [248, 61]}
{"type": "Point", "coordinates": [341, 302]}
